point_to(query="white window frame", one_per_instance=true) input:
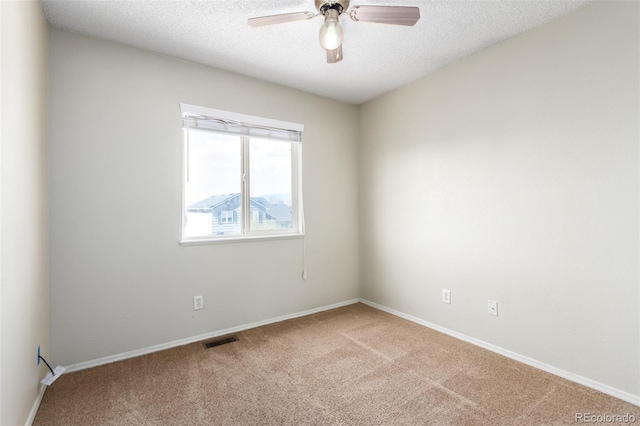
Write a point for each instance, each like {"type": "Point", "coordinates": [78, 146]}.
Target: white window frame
{"type": "Point", "coordinates": [260, 128]}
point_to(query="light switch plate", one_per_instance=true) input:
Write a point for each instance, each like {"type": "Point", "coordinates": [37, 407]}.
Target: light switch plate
{"type": "Point", "coordinates": [492, 308]}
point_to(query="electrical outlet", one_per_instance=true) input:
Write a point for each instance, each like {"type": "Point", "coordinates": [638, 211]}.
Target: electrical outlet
{"type": "Point", "coordinates": [493, 308]}
{"type": "Point", "coordinates": [38, 355]}
{"type": "Point", "coordinates": [198, 302]}
{"type": "Point", "coordinates": [446, 296]}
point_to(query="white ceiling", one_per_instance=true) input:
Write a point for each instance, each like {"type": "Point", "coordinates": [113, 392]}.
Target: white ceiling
{"type": "Point", "coordinates": [377, 57]}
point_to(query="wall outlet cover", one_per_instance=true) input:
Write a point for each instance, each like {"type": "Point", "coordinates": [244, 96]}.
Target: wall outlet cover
{"type": "Point", "coordinates": [198, 302]}
{"type": "Point", "coordinates": [446, 296]}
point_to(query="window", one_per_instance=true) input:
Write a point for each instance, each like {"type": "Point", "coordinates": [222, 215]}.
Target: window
{"type": "Point", "coordinates": [226, 216]}
{"type": "Point", "coordinates": [241, 176]}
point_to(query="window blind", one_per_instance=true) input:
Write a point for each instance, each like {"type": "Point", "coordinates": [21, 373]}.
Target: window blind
{"type": "Point", "coordinates": [218, 121]}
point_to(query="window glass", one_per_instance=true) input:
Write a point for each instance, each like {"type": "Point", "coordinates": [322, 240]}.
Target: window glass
{"type": "Point", "coordinates": [213, 184]}
{"type": "Point", "coordinates": [270, 184]}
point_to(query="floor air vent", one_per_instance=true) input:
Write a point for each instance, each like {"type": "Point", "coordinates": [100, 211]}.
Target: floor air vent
{"type": "Point", "coordinates": [217, 342]}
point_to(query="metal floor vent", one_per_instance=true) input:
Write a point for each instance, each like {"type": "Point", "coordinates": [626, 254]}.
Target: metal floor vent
{"type": "Point", "coordinates": [223, 341]}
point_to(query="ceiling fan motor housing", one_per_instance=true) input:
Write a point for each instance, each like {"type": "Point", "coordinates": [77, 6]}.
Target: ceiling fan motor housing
{"type": "Point", "coordinates": [339, 6]}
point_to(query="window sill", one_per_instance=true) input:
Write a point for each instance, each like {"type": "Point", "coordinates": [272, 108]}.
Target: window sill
{"type": "Point", "coordinates": [239, 239]}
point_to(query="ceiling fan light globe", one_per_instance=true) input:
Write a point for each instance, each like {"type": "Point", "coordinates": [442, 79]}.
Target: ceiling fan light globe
{"type": "Point", "coordinates": [331, 34]}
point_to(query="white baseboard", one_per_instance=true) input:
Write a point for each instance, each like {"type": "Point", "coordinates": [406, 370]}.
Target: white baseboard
{"type": "Point", "coordinates": [609, 390]}
{"type": "Point", "coordinates": [181, 342]}
{"type": "Point", "coordinates": [36, 405]}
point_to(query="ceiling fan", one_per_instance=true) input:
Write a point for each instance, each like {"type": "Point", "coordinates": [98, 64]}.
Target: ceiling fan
{"type": "Point", "coordinates": [331, 33]}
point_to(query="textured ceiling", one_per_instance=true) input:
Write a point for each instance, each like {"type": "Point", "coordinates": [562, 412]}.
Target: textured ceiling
{"type": "Point", "coordinates": [377, 57]}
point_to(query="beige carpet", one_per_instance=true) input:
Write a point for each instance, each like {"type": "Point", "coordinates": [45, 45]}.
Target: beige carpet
{"type": "Point", "coordinates": [349, 366]}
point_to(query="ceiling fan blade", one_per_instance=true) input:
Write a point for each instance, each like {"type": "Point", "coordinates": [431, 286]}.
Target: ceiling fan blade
{"type": "Point", "coordinates": [396, 15]}
{"type": "Point", "coordinates": [280, 19]}
{"type": "Point", "coordinates": [334, 56]}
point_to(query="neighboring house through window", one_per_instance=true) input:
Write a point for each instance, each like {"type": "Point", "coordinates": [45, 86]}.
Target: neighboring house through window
{"type": "Point", "coordinates": [241, 176]}
{"type": "Point", "coordinates": [226, 216]}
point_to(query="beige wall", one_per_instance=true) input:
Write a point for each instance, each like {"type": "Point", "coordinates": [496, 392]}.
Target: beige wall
{"type": "Point", "coordinates": [23, 208]}
{"type": "Point", "coordinates": [513, 175]}
{"type": "Point", "coordinates": [119, 279]}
